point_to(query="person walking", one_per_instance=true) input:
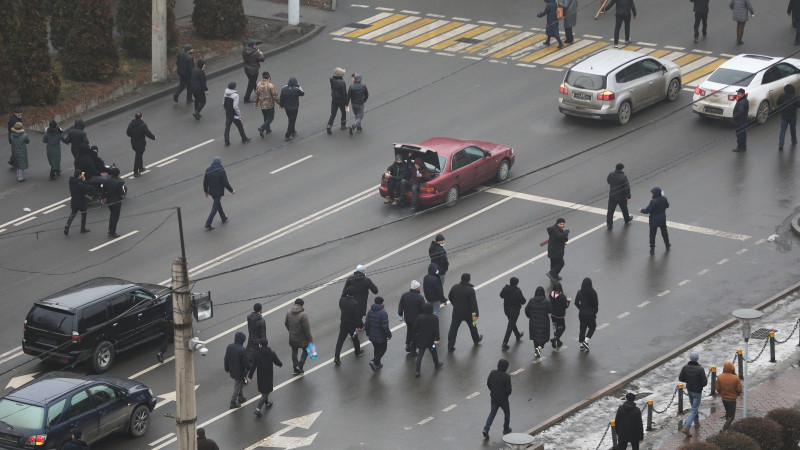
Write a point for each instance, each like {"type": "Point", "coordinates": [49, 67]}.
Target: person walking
{"type": "Point", "coordinates": [78, 202]}
{"type": "Point", "coordinates": [290, 102]}
{"type": "Point", "coordinates": [19, 150]}
{"type": "Point", "coordinates": [184, 66]}
{"type": "Point", "coordinates": [232, 114]}
{"type": "Point", "coordinates": [357, 95]}
{"type": "Point", "coordinates": [138, 131]}
{"type": "Point", "coordinates": [433, 288]}
{"type": "Point", "coordinates": [236, 366]}
{"type": "Point", "coordinates": [113, 192]}
{"type": "Point", "coordinates": [619, 194]}
{"type": "Point", "coordinates": [256, 331]}
{"type": "Point", "coordinates": [513, 300]}
{"type": "Point", "coordinates": [657, 209]}
{"type": "Point", "coordinates": [203, 443]}
{"type": "Point", "coordinates": [729, 386]}
{"type": "Point", "coordinates": [695, 378]}
{"type": "Point", "coordinates": [556, 242]}
{"type": "Point", "coordinates": [499, 384]}
{"type": "Point", "coordinates": [700, 15]}
{"type": "Point", "coordinates": [551, 29]}
{"type": "Point", "coordinates": [263, 360]}
{"type": "Point", "coordinates": [628, 423]}
{"type": "Point", "coordinates": [438, 256]}
{"type": "Point", "coordinates": [53, 137]}
{"type": "Point", "coordinates": [742, 12]}
{"type": "Point", "coordinates": [793, 11]}
{"type": "Point", "coordinates": [465, 309]}
{"type": "Point", "coordinates": [570, 18]}
{"type": "Point", "coordinates": [426, 336]}
{"type": "Point", "coordinates": [339, 99]}
{"type": "Point", "coordinates": [349, 324]}
{"type": "Point", "coordinates": [587, 304]}
{"type": "Point", "coordinates": [77, 136]}
{"type": "Point", "coordinates": [197, 84]}
{"type": "Point", "coordinates": [362, 286]}
{"type": "Point", "coordinates": [167, 329]}
{"type": "Point", "coordinates": [299, 334]}
{"type": "Point", "coordinates": [377, 329]}
{"type": "Point", "coordinates": [624, 10]}
{"type": "Point", "coordinates": [409, 308]}
{"type": "Point", "coordinates": [788, 104]}
{"type": "Point", "coordinates": [266, 97]}
{"type": "Point", "coordinates": [253, 57]}
{"type": "Point", "coordinates": [76, 443]}
{"type": "Point", "coordinates": [16, 116]}
{"type": "Point", "coordinates": [740, 112]}
{"type": "Point", "coordinates": [538, 313]}
{"type": "Point", "coordinates": [215, 182]}
{"type": "Point", "coordinates": [559, 303]}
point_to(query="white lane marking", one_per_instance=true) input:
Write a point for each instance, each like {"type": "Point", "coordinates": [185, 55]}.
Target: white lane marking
{"type": "Point", "coordinates": [683, 283]}
{"type": "Point", "coordinates": [647, 43]}
{"type": "Point", "coordinates": [473, 395]}
{"type": "Point", "coordinates": [643, 304]}
{"type": "Point", "coordinates": [445, 54]}
{"type": "Point", "coordinates": [1, 230]}
{"type": "Point", "coordinates": [505, 43]}
{"type": "Point", "coordinates": [114, 240]}
{"type": "Point", "coordinates": [496, 61]}
{"type": "Point", "coordinates": [703, 272]}
{"type": "Point", "coordinates": [592, 36]}
{"type": "Point", "coordinates": [291, 164]}
{"type": "Point", "coordinates": [741, 251]}
{"type": "Point", "coordinates": [53, 209]}
{"type": "Point", "coordinates": [673, 56]}
{"type": "Point", "coordinates": [473, 58]}
{"type": "Point", "coordinates": [166, 162]}
{"type": "Point", "coordinates": [342, 32]}
{"type": "Point", "coordinates": [358, 5]}
{"type": "Point", "coordinates": [554, 69]}
{"type": "Point", "coordinates": [486, 22]}
{"type": "Point", "coordinates": [603, 326]}
{"type": "Point", "coordinates": [481, 37]}
{"type": "Point", "coordinates": [9, 358]}
{"type": "Point", "coordinates": [375, 18]}
{"type": "Point", "coordinates": [405, 11]}
{"type": "Point", "coordinates": [396, 47]}
{"type": "Point", "coordinates": [438, 16]}
{"type": "Point", "coordinates": [727, 55]}
{"type": "Point", "coordinates": [448, 35]}
{"type": "Point", "coordinates": [705, 52]}
{"type": "Point", "coordinates": [417, 32]}
{"type": "Point", "coordinates": [626, 313]}
{"type": "Point", "coordinates": [11, 351]}
{"type": "Point", "coordinates": [461, 19]}
{"type": "Point", "coordinates": [342, 39]}
{"type": "Point", "coordinates": [449, 407]}
{"type": "Point", "coordinates": [687, 89]}
{"type": "Point", "coordinates": [664, 293]}
{"type": "Point", "coordinates": [512, 26]}
{"type": "Point", "coordinates": [24, 221]}
{"type": "Point", "coordinates": [161, 439]}
{"type": "Point", "coordinates": [760, 241]}
{"type": "Point", "coordinates": [564, 51]}
{"type": "Point", "coordinates": [520, 370]}
{"type": "Point", "coordinates": [722, 261]}
{"type": "Point", "coordinates": [526, 65]}
{"type": "Point", "coordinates": [367, 43]}
{"type": "Point", "coordinates": [391, 27]}
{"type": "Point", "coordinates": [419, 50]}
{"type": "Point", "coordinates": [194, 147]}
{"type": "Point", "coordinates": [697, 64]}
{"type": "Point", "coordinates": [381, 8]}
{"type": "Point", "coordinates": [674, 48]}
{"type": "Point", "coordinates": [425, 420]}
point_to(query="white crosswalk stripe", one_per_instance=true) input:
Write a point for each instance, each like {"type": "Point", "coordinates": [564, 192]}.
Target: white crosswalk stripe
{"type": "Point", "coordinates": [481, 37]}
{"type": "Point", "coordinates": [391, 27]}
{"type": "Point", "coordinates": [448, 35]}
{"type": "Point", "coordinates": [421, 30]}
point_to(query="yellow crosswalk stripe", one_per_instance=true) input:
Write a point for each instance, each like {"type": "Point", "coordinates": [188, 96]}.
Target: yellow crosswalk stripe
{"type": "Point", "coordinates": [432, 33]}
{"type": "Point", "coordinates": [660, 53]}
{"type": "Point", "coordinates": [518, 46]}
{"type": "Point", "coordinates": [541, 53]}
{"type": "Point", "coordinates": [467, 34]}
{"type": "Point", "coordinates": [500, 37]}
{"type": "Point", "coordinates": [376, 25]}
{"type": "Point", "coordinates": [687, 59]}
{"type": "Point", "coordinates": [591, 48]}
{"type": "Point", "coordinates": [632, 48]}
{"type": "Point", "coordinates": [695, 74]}
{"type": "Point", "coordinates": [404, 30]}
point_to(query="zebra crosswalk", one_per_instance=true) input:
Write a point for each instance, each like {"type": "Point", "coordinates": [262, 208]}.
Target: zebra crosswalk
{"type": "Point", "coordinates": [507, 43]}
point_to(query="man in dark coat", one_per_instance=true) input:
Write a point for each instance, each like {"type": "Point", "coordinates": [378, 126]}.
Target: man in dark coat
{"type": "Point", "coordinates": [290, 101]}
{"type": "Point", "coordinates": [204, 443]}
{"type": "Point", "coordinates": [184, 66]}
{"type": "Point", "coordinates": [262, 361]}
{"type": "Point", "coordinates": [396, 174]}
{"type": "Point", "coordinates": [512, 304]}
{"type": "Point", "coordinates": [409, 309]}
{"type": "Point", "coordinates": [197, 85]}
{"type": "Point", "coordinates": [438, 255]}
{"type": "Point", "coordinates": [236, 366]}
{"type": "Point", "coordinates": [695, 378]}
{"type": "Point", "coordinates": [349, 324]}
{"type": "Point", "coordinates": [76, 136]}
{"type": "Point", "coordinates": [740, 112]}
{"type": "Point", "coordinates": [793, 11]}
{"type": "Point", "coordinates": [214, 184]}
{"type": "Point", "coordinates": [339, 98]}
{"type": "Point", "coordinates": [465, 309]}
{"type": "Point", "coordinates": [700, 15]}
{"type": "Point", "coordinates": [358, 95]}
{"type": "Point", "coordinates": [426, 336]}
{"type": "Point", "coordinates": [377, 329]}
{"type": "Point", "coordinates": [299, 334]}
{"type": "Point", "coordinates": [628, 421]}
{"type": "Point", "coordinates": [138, 131]}
{"type": "Point", "coordinates": [557, 240]}
{"type": "Point", "coordinates": [256, 331]}
{"type": "Point", "coordinates": [253, 58]}
{"type": "Point", "coordinates": [77, 191]}
{"type": "Point", "coordinates": [538, 311]}
{"type": "Point", "coordinates": [619, 194]}
{"type": "Point", "coordinates": [658, 218]}
{"type": "Point", "coordinates": [362, 286]}
{"type": "Point", "coordinates": [499, 384]}
{"type": "Point", "coordinates": [788, 103]}
{"type": "Point", "coordinates": [75, 443]}
{"type": "Point", "coordinates": [15, 117]}
{"type": "Point", "coordinates": [623, 15]}
{"type": "Point", "coordinates": [433, 288]}
{"type": "Point", "coordinates": [113, 193]}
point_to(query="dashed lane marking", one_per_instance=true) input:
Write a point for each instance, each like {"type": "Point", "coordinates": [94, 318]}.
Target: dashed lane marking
{"type": "Point", "coordinates": [114, 240]}
{"type": "Point", "coordinates": [438, 16]}
{"type": "Point", "coordinates": [357, 5]}
{"type": "Point", "coordinates": [705, 52]}
{"type": "Point", "coordinates": [449, 408]}
{"type": "Point", "coordinates": [2, 230]}
{"type": "Point", "coordinates": [520, 370]}
{"type": "Point", "coordinates": [625, 314]}
{"type": "Point", "coordinates": [24, 221]}
{"type": "Point", "coordinates": [461, 19]}
{"type": "Point", "coordinates": [603, 326]}
{"type": "Point", "coordinates": [741, 251]}
{"type": "Point", "coordinates": [405, 11]}
{"type": "Point", "coordinates": [554, 69]}
{"type": "Point", "coordinates": [425, 420]}
{"type": "Point", "coordinates": [342, 39]}
{"type": "Point", "coordinates": [167, 162]}
{"type": "Point", "coordinates": [760, 241]}
{"type": "Point", "coordinates": [486, 22]}
{"type": "Point", "coordinates": [473, 395]}
{"type": "Point", "coordinates": [703, 272]}
{"type": "Point", "coordinates": [727, 55]}
{"type": "Point", "coordinates": [664, 293]}
{"type": "Point", "coordinates": [527, 65]}
{"type": "Point", "coordinates": [592, 36]}
{"type": "Point", "coordinates": [722, 261]}
{"type": "Point", "coordinates": [367, 43]}
{"type": "Point", "coordinates": [684, 282]}
{"type": "Point", "coordinates": [445, 54]}
{"type": "Point", "coordinates": [157, 441]}
{"type": "Point", "coordinates": [419, 50]}
{"type": "Point", "coordinates": [396, 47]}
{"type": "Point", "coordinates": [643, 304]}
{"type": "Point", "coordinates": [381, 8]}
{"type": "Point", "coordinates": [54, 209]}
{"type": "Point", "coordinates": [291, 164]}
{"type": "Point", "coordinates": [472, 57]}
{"type": "Point", "coordinates": [650, 44]}
{"type": "Point", "coordinates": [508, 25]}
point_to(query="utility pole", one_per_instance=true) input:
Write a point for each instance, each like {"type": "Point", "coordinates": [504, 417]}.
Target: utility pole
{"type": "Point", "coordinates": [294, 12]}
{"type": "Point", "coordinates": [159, 40]}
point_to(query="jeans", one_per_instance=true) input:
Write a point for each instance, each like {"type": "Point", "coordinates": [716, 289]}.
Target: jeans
{"type": "Point", "coordinates": [380, 350]}
{"type": "Point", "coordinates": [337, 106]}
{"type": "Point", "coordinates": [556, 264]}
{"type": "Point", "coordinates": [394, 188]}
{"type": "Point", "coordinates": [700, 17]}
{"type": "Point", "coordinates": [792, 124]}
{"type": "Point", "coordinates": [291, 114]}
{"type": "Point", "coordinates": [454, 324]}
{"type": "Point", "coordinates": [251, 84]}
{"type": "Point", "coordinates": [511, 328]}
{"type": "Point", "coordinates": [730, 412]}
{"type": "Point", "coordinates": [694, 399]}
{"type": "Point", "coordinates": [299, 363]}
{"type": "Point", "coordinates": [199, 100]}
{"type": "Point", "coordinates": [421, 353]}
{"type": "Point", "coordinates": [138, 161]}
{"type": "Point", "coordinates": [114, 209]}
{"type": "Point", "coordinates": [506, 412]}
{"type": "Point", "coordinates": [214, 208]}
{"type": "Point", "coordinates": [408, 185]}
{"type": "Point", "coordinates": [343, 333]}
{"type": "Point", "coordinates": [664, 235]}
{"type": "Point", "coordinates": [237, 397]}
{"type": "Point", "coordinates": [436, 306]}
{"type": "Point", "coordinates": [626, 19]}
{"type": "Point", "coordinates": [612, 207]}
{"type": "Point", "coordinates": [239, 126]}
{"type": "Point", "coordinates": [184, 83]}
{"type": "Point", "coordinates": [269, 116]}
{"type": "Point", "coordinates": [587, 321]}
{"type": "Point", "coordinates": [358, 113]}
{"type": "Point", "coordinates": [741, 136]}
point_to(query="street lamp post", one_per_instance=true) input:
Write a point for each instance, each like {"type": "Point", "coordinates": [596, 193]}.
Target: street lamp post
{"type": "Point", "coordinates": [746, 316]}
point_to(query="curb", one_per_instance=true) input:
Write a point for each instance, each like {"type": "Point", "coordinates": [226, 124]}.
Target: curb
{"type": "Point", "coordinates": [570, 410]}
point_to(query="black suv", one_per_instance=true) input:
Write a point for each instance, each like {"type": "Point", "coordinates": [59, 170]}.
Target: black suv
{"type": "Point", "coordinates": [94, 320]}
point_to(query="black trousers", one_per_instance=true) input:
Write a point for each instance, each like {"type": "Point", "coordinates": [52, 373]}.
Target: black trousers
{"type": "Point", "coordinates": [730, 412]}
{"type": "Point", "coordinates": [115, 209]}
{"type": "Point", "coordinates": [380, 350]}
{"type": "Point", "coordinates": [410, 333]}
{"type": "Point", "coordinates": [568, 32]}
{"type": "Point", "coordinates": [700, 17]}
{"type": "Point", "coordinates": [169, 338]}
{"type": "Point", "coordinates": [184, 83]}
{"type": "Point", "coordinates": [622, 444]}
{"type": "Point", "coordinates": [626, 19]}
{"type": "Point", "coordinates": [299, 362]}
{"type": "Point", "coordinates": [511, 328]}
{"type": "Point", "coordinates": [138, 162]}
{"type": "Point", "coordinates": [394, 187]}
{"type": "Point", "coordinates": [344, 333]}
{"type": "Point", "coordinates": [451, 336]}
{"type": "Point", "coordinates": [72, 217]}
{"type": "Point", "coordinates": [408, 185]}
{"type": "Point", "coordinates": [587, 321]}
{"type": "Point", "coordinates": [291, 114]}
{"type": "Point", "coordinates": [199, 100]}
{"type": "Point", "coordinates": [421, 353]}
{"type": "Point", "coordinates": [216, 207]}
{"type": "Point", "coordinates": [251, 85]}
{"type": "Point", "coordinates": [239, 126]}
{"type": "Point", "coordinates": [612, 206]}
{"type": "Point", "coordinates": [741, 136]}
{"type": "Point", "coordinates": [337, 106]}
{"type": "Point", "coordinates": [556, 264]}
{"type": "Point", "coordinates": [664, 235]}
{"type": "Point", "coordinates": [559, 325]}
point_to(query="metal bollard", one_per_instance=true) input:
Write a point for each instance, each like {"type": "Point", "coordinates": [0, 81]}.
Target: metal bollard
{"type": "Point", "coordinates": [649, 415]}
{"type": "Point", "coordinates": [741, 363]}
{"type": "Point", "coordinates": [771, 346]}
{"type": "Point", "coordinates": [614, 439]}
{"type": "Point", "coordinates": [680, 399]}
{"type": "Point", "coordinates": [713, 380]}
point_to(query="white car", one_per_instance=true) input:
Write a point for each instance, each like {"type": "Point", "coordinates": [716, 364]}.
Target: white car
{"type": "Point", "coordinates": [762, 77]}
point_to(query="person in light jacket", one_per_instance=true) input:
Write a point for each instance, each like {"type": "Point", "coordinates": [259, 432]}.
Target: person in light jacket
{"type": "Point", "coordinates": [570, 18]}
{"type": "Point", "coordinates": [742, 12]}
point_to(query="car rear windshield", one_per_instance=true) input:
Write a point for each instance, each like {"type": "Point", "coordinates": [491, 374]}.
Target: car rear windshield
{"type": "Point", "coordinates": [583, 80]}
{"type": "Point", "coordinates": [53, 320]}
{"type": "Point", "coordinates": [732, 77]}
{"type": "Point", "coordinates": [21, 415]}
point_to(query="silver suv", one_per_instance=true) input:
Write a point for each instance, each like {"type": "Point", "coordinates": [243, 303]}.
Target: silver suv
{"type": "Point", "coordinates": [613, 83]}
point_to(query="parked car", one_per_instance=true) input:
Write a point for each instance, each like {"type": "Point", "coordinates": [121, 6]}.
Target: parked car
{"type": "Point", "coordinates": [456, 165]}
{"type": "Point", "coordinates": [762, 77]}
{"type": "Point", "coordinates": [94, 321]}
{"type": "Point", "coordinates": [42, 413]}
{"type": "Point", "coordinates": [612, 84]}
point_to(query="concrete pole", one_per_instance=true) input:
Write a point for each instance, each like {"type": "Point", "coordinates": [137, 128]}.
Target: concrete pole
{"type": "Point", "coordinates": [186, 414]}
{"type": "Point", "coordinates": [294, 12]}
{"type": "Point", "coordinates": [159, 40]}
{"type": "Point", "coordinates": [744, 381]}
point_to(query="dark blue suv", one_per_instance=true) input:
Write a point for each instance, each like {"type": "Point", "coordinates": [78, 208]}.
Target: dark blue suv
{"type": "Point", "coordinates": [42, 413]}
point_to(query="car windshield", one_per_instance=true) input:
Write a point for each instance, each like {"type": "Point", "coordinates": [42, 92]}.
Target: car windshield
{"type": "Point", "coordinates": [21, 415]}
{"type": "Point", "coordinates": [50, 320]}
{"type": "Point", "coordinates": [732, 77]}
{"type": "Point", "coordinates": [583, 80]}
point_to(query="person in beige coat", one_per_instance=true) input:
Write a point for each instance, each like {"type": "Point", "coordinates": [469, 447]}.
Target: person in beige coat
{"type": "Point", "coordinates": [299, 334]}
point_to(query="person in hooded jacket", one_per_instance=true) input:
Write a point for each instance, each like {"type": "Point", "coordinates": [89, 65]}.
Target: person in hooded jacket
{"type": "Point", "coordinates": [75, 443]}
{"type": "Point", "coordinates": [77, 190]}
{"type": "Point", "coordinates": [215, 182]}
{"type": "Point", "coordinates": [19, 150]}
{"type": "Point", "coordinates": [197, 85]}
{"type": "Point", "coordinates": [587, 304]}
{"type": "Point", "coordinates": [729, 386]}
{"type": "Point", "coordinates": [409, 308]}
{"type": "Point", "coordinates": [695, 378]}
{"type": "Point", "coordinates": [551, 29]}
{"type": "Point", "coordinates": [290, 102]}
{"type": "Point", "coordinates": [426, 336]}
{"type": "Point", "coordinates": [204, 443]}
{"type": "Point", "coordinates": [624, 10]}
{"type": "Point", "coordinates": [236, 365]}
{"type": "Point", "coordinates": [256, 330]}
{"type": "Point", "coordinates": [53, 137]}
{"type": "Point", "coordinates": [559, 303]}
{"type": "Point", "coordinates": [76, 136]}
{"type": "Point", "coordinates": [184, 66]}
{"type": "Point", "coordinates": [513, 300]}
{"type": "Point", "coordinates": [438, 255]}
{"type": "Point", "coordinates": [138, 131]}
{"type": "Point", "coordinates": [16, 116]}
{"type": "Point", "coordinates": [362, 286]}
{"type": "Point", "coordinates": [299, 334]}
{"type": "Point", "coordinates": [419, 175]}
{"type": "Point", "coordinates": [499, 384]}
{"type": "Point", "coordinates": [433, 288]}
{"type": "Point", "coordinates": [358, 95]}
{"type": "Point", "coordinates": [339, 99]}
{"type": "Point", "coordinates": [619, 194]}
{"type": "Point", "coordinates": [85, 162]}
{"type": "Point", "coordinates": [349, 324]}
{"type": "Point", "coordinates": [628, 423]}
{"type": "Point", "coordinates": [232, 113]}
{"type": "Point", "coordinates": [658, 218]}
{"type": "Point", "coordinates": [377, 329]}
{"type": "Point", "coordinates": [113, 192]}
{"type": "Point", "coordinates": [538, 312]}
{"type": "Point", "coordinates": [465, 309]}
{"type": "Point", "coordinates": [556, 242]}
{"type": "Point", "coordinates": [396, 175]}
{"type": "Point", "coordinates": [788, 104]}
{"type": "Point", "coordinates": [263, 361]}
{"type": "Point", "coordinates": [253, 57]}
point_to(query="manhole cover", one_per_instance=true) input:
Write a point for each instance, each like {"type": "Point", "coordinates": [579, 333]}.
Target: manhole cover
{"type": "Point", "coordinates": [469, 40]}
{"type": "Point", "coordinates": [761, 333]}
{"type": "Point", "coordinates": [358, 25]}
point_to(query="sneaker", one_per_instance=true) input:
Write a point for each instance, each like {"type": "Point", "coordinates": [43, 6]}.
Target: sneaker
{"type": "Point", "coordinates": [505, 347]}
{"type": "Point", "coordinates": [269, 404]}
{"type": "Point", "coordinates": [257, 412]}
{"type": "Point", "coordinates": [360, 354]}
{"type": "Point", "coordinates": [580, 347]}
{"type": "Point", "coordinates": [558, 278]}
{"type": "Point", "coordinates": [296, 371]}
{"type": "Point", "coordinates": [209, 227]}
{"type": "Point", "coordinates": [372, 366]}
{"type": "Point", "coordinates": [686, 432]}
{"type": "Point", "coordinates": [328, 129]}
{"type": "Point", "coordinates": [507, 431]}
{"type": "Point", "coordinates": [196, 116]}
{"type": "Point", "coordinates": [160, 357]}
{"type": "Point", "coordinates": [261, 133]}
{"type": "Point", "coordinates": [227, 143]}
{"type": "Point", "coordinates": [737, 150]}
{"type": "Point", "coordinates": [480, 338]}
{"type": "Point", "coordinates": [485, 434]}
{"type": "Point", "coordinates": [113, 235]}
{"type": "Point", "coordinates": [246, 140]}
{"type": "Point", "coordinates": [537, 352]}
{"type": "Point", "coordinates": [780, 149]}
{"type": "Point", "coordinates": [652, 251]}
{"type": "Point", "coordinates": [559, 344]}
{"type": "Point", "coordinates": [416, 374]}
{"type": "Point", "coordinates": [351, 130]}
{"type": "Point", "coordinates": [616, 45]}
{"type": "Point", "coordinates": [136, 174]}
{"type": "Point", "coordinates": [519, 337]}
{"type": "Point", "coordinates": [224, 219]}
{"type": "Point", "coordinates": [553, 342]}
{"type": "Point", "coordinates": [337, 361]}
{"type": "Point", "coordinates": [294, 133]}
{"type": "Point", "coordinates": [586, 345]}
{"type": "Point", "coordinates": [235, 405]}
{"type": "Point", "coordinates": [440, 365]}
{"type": "Point", "coordinates": [85, 230]}
{"type": "Point", "coordinates": [549, 275]}
{"type": "Point", "coordinates": [287, 139]}
{"type": "Point", "coordinates": [451, 349]}
{"type": "Point", "coordinates": [561, 45]}
{"type": "Point", "coordinates": [359, 129]}
{"type": "Point", "coordinates": [387, 199]}
{"type": "Point", "coordinates": [630, 219]}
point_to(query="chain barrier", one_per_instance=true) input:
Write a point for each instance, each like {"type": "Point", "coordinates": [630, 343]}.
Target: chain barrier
{"type": "Point", "coordinates": [790, 334]}
{"type": "Point", "coordinates": [604, 437]}
{"type": "Point", "coordinates": [674, 393]}
{"type": "Point", "coordinates": [751, 361]}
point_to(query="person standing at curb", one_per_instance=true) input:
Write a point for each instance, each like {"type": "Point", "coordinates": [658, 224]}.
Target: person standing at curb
{"type": "Point", "coordinates": [77, 191]}
{"type": "Point", "coordinates": [214, 183]}
{"type": "Point", "coordinates": [570, 18]}
{"type": "Point", "coordinates": [433, 288]}
{"type": "Point", "coordinates": [253, 58]}
{"type": "Point", "coordinates": [512, 304]}
{"type": "Point", "coordinates": [19, 150]}
{"type": "Point", "coordinates": [137, 131]}
{"type": "Point", "coordinates": [700, 15]}
{"type": "Point", "coordinates": [204, 443]}
{"type": "Point", "coordinates": [695, 378]}
{"type": "Point", "coordinates": [236, 365]}
{"type": "Point", "coordinates": [409, 308]}
{"type": "Point", "coordinates": [551, 29]}
{"type": "Point", "coordinates": [628, 423]}
{"type": "Point", "coordinates": [559, 303]}
{"type": "Point", "coordinates": [349, 324]}
{"type": "Point", "coordinates": [256, 331]}
{"type": "Point", "coordinates": [438, 256]}
{"type": "Point", "coordinates": [619, 194]}
{"type": "Point", "coordinates": [465, 309]}
{"type": "Point", "coordinates": [362, 286]}
{"type": "Point", "coordinates": [787, 103]}
{"type": "Point", "coordinates": [357, 95]}
{"type": "Point", "coordinates": [197, 84]}
{"type": "Point", "coordinates": [740, 111]}
{"type": "Point", "coordinates": [538, 313]}
{"type": "Point", "coordinates": [740, 9]}
{"type": "Point", "coordinates": [556, 242]}
{"type": "Point", "coordinates": [339, 99]}
{"type": "Point", "coordinates": [113, 192]}
{"type": "Point", "coordinates": [233, 115]}
{"type": "Point", "coordinates": [587, 304]}
{"type": "Point", "coordinates": [499, 384]}
{"type": "Point", "coordinates": [299, 334]}
{"type": "Point", "coordinates": [53, 137]}
{"type": "Point", "coordinates": [184, 66]}
{"type": "Point", "coordinates": [729, 386]}
{"type": "Point", "coordinates": [377, 329]}
{"type": "Point", "coordinates": [657, 209]}
{"type": "Point", "coordinates": [266, 97]}
{"type": "Point", "coordinates": [290, 102]}
{"type": "Point", "coordinates": [263, 360]}
{"type": "Point", "coordinates": [426, 337]}
{"type": "Point", "coordinates": [623, 11]}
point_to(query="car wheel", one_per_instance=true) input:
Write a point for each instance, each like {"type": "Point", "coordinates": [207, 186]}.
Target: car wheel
{"type": "Point", "coordinates": [673, 89]}
{"type": "Point", "coordinates": [140, 421]}
{"type": "Point", "coordinates": [624, 113]}
{"type": "Point", "coordinates": [763, 112]}
{"type": "Point", "coordinates": [502, 171]}
{"type": "Point", "coordinates": [103, 357]}
{"type": "Point", "coordinates": [452, 196]}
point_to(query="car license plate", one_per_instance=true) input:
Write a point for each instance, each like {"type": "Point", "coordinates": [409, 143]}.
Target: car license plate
{"type": "Point", "coordinates": [712, 110]}
{"type": "Point", "coordinates": [581, 96]}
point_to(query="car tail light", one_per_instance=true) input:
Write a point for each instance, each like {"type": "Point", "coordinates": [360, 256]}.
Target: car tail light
{"type": "Point", "coordinates": [76, 336]}
{"type": "Point", "coordinates": [698, 91]}
{"type": "Point", "coordinates": [563, 89]}
{"type": "Point", "coordinates": [734, 97]}
{"type": "Point", "coordinates": [37, 439]}
{"type": "Point", "coordinates": [25, 324]}
{"type": "Point", "coordinates": [425, 189]}
{"type": "Point", "coordinates": [606, 95]}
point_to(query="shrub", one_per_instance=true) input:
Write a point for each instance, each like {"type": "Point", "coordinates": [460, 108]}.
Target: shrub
{"type": "Point", "coordinates": [61, 12]}
{"type": "Point", "coordinates": [8, 31]}
{"type": "Point", "coordinates": [764, 431]}
{"type": "Point", "coordinates": [789, 419]}
{"type": "Point", "coordinates": [698, 445]}
{"type": "Point", "coordinates": [90, 53]}
{"type": "Point", "coordinates": [134, 21]}
{"type": "Point", "coordinates": [731, 440]}
{"type": "Point", "coordinates": [219, 19]}
{"type": "Point", "coordinates": [39, 83]}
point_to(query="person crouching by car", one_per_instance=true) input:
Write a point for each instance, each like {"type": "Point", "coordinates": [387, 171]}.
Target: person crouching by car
{"type": "Point", "coordinates": [396, 174]}
{"type": "Point", "coordinates": [419, 175]}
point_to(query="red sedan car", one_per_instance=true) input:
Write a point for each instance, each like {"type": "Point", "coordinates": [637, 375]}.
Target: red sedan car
{"type": "Point", "coordinates": [456, 165]}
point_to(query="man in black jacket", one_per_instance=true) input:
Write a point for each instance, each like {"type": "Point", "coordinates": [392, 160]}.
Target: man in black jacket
{"type": "Point", "coordinates": [203, 443]}
{"type": "Point", "coordinates": [113, 193]}
{"type": "Point", "coordinates": [512, 303]}
{"type": "Point", "coordinates": [256, 330]}
{"type": "Point", "coordinates": [290, 101]}
{"type": "Point", "coordinates": [339, 98]}
{"type": "Point", "coordinates": [438, 256]}
{"type": "Point", "coordinates": [236, 366]}
{"type": "Point", "coordinates": [499, 384]}
{"type": "Point", "coordinates": [184, 66]}
{"type": "Point", "coordinates": [558, 238]}
{"type": "Point", "coordinates": [619, 193]}
{"type": "Point", "coordinates": [358, 95]}
{"type": "Point", "coordinates": [76, 136]}
{"type": "Point", "coordinates": [426, 336]}
{"type": "Point", "coordinates": [197, 85]}
{"type": "Point", "coordinates": [657, 209]}
{"type": "Point", "coordinates": [793, 11]}
{"type": "Point", "coordinates": [376, 327]}
{"type": "Point", "coordinates": [253, 58]}
{"type": "Point", "coordinates": [396, 174]}
{"type": "Point", "coordinates": [349, 324]}
{"type": "Point", "coordinates": [214, 183]}
{"type": "Point", "coordinates": [623, 15]}
{"type": "Point", "coordinates": [740, 112]}
{"type": "Point", "coordinates": [695, 378]}
{"type": "Point", "coordinates": [138, 131]}
{"type": "Point", "coordinates": [362, 286]}
{"type": "Point", "coordinates": [409, 308]}
{"type": "Point", "coordinates": [77, 190]}
{"type": "Point", "coordinates": [75, 443]}
{"type": "Point", "coordinates": [433, 288]}
{"type": "Point", "coordinates": [465, 309]}
{"type": "Point", "coordinates": [700, 15]}
{"type": "Point", "coordinates": [787, 102]}
{"type": "Point", "coordinates": [628, 423]}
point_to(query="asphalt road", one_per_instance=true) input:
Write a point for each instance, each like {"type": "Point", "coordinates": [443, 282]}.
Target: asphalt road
{"type": "Point", "coordinates": [723, 206]}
